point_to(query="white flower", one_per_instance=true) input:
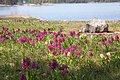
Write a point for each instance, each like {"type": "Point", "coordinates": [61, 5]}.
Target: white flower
{"type": "Point", "coordinates": [83, 35]}
{"type": "Point", "coordinates": [102, 56]}
{"type": "Point", "coordinates": [11, 64]}
{"type": "Point", "coordinates": [68, 54]}
{"type": "Point", "coordinates": [46, 42]}
{"type": "Point", "coordinates": [108, 53]}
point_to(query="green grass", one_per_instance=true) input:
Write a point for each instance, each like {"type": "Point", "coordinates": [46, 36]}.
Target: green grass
{"type": "Point", "coordinates": [33, 23]}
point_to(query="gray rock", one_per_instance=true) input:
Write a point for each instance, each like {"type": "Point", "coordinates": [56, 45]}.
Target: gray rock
{"type": "Point", "coordinates": [95, 26]}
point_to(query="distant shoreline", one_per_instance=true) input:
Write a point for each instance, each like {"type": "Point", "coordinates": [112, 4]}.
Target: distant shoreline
{"type": "Point", "coordinates": [49, 4]}
{"type": "Point", "coordinates": [43, 4]}
{"type": "Point", "coordinates": [24, 16]}
{"type": "Point", "coordinates": [15, 16]}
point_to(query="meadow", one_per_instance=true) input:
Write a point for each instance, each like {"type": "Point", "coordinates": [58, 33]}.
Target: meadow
{"type": "Point", "coordinates": [32, 49]}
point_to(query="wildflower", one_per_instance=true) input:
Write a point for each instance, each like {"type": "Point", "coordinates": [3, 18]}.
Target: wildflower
{"type": "Point", "coordinates": [78, 34]}
{"type": "Point", "coordinates": [82, 52]}
{"type": "Point", "coordinates": [78, 56]}
{"type": "Point", "coordinates": [109, 41]}
{"type": "Point", "coordinates": [10, 37]}
{"type": "Point", "coordinates": [3, 37]}
{"type": "Point", "coordinates": [116, 37]}
{"type": "Point", "coordinates": [23, 39]}
{"type": "Point", "coordinates": [58, 46]}
{"type": "Point", "coordinates": [51, 42]}
{"type": "Point", "coordinates": [63, 39]}
{"type": "Point", "coordinates": [25, 63]}
{"type": "Point", "coordinates": [34, 65]}
{"type": "Point", "coordinates": [63, 69]}
{"type": "Point", "coordinates": [4, 29]}
{"type": "Point", "coordinates": [23, 76]}
{"type": "Point", "coordinates": [68, 54]}
{"type": "Point", "coordinates": [45, 32]}
{"type": "Point", "coordinates": [83, 35]}
{"type": "Point", "coordinates": [53, 52]}
{"type": "Point", "coordinates": [61, 35]}
{"type": "Point", "coordinates": [85, 41]}
{"type": "Point", "coordinates": [17, 40]}
{"type": "Point", "coordinates": [53, 64]}
{"type": "Point", "coordinates": [32, 43]}
{"type": "Point", "coordinates": [36, 39]}
{"type": "Point", "coordinates": [8, 33]}
{"type": "Point", "coordinates": [18, 29]}
{"type": "Point", "coordinates": [73, 47]}
{"type": "Point", "coordinates": [50, 47]}
{"type": "Point", "coordinates": [40, 35]}
{"type": "Point", "coordinates": [78, 44]}
{"type": "Point", "coordinates": [55, 35]}
{"type": "Point", "coordinates": [99, 35]}
{"type": "Point", "coordinates": [72, 33]}
{"type": "Point", "coordinates": [49, 32]}
{"type": "Point", "coordinates": [24, 31]}
{"type": "Point", "coordinates": [62, 50]}
{"type": "Point", "coordinates": [59, 40]}
{"type": "Point", "coordinates": [33, 31]}
{"type": "Point", "coordinates": [108, 53]}
{"type": "Point", "coordinates": [90, 54]}
{"type": "Point", "coordinates": [103, 42]}
{"type": "Point", "coordinates": [104, 39]}
{"type": "Point", "coordinates": [102, 56]}
{"type": "Point", "coordinates": [19, 20]}
{"type": "Point", "coordinates": [46, 42]}
{"type": "Point", "coordinates": [112, 38]}
{"type": "Point", "coordinates": [107, 57]}
{"type": "Point", "coordinates": [64, 72]}
{"type": "Point", "coordinates": [65, 35]}
{"type": "Point", "coordinates": [77, 52]}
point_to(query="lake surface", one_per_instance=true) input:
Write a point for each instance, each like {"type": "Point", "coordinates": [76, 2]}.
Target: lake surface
{"type": "Point", "coordinates": [81, 11]}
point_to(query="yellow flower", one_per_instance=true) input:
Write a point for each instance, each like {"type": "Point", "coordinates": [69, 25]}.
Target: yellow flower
{"type": "Point", "coordinates": [91, 36]}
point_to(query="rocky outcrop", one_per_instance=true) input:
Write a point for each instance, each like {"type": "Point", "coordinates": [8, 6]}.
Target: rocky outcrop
{"type": "Point", "coordinates": [95, 26]}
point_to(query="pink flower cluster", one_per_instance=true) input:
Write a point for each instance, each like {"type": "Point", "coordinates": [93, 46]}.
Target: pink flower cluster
{"type": "Point", "coordinates": [26, 63]}
{"type": "Point", "coordinates": [62, 68]}
{"type": "Point", "coordinates": [109, 40]}
{"type": "Point", "coordinates": [5, 34]}
{"type": "Point", "coordinates": [56, 45]}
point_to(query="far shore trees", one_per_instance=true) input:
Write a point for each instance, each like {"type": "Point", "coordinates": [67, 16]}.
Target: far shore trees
{"type": "Point", "coordinates": [13, 2]}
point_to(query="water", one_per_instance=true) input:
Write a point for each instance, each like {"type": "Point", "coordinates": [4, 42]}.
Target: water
{"type": "Point", "coordinates": [82, 11]}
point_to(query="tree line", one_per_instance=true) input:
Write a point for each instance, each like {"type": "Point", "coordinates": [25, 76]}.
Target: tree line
{"type": "Point", "coordinates": [13, 2]}
{"type": "Point", "coordinates": [8, 2]}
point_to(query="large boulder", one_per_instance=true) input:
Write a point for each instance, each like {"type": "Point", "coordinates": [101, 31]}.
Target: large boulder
{"type": "Point", "coordinates": [95, 26]}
